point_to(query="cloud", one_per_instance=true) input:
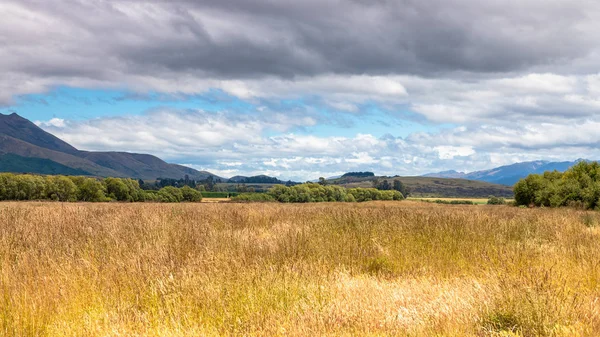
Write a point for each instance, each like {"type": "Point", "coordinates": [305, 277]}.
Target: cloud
{"type": "Point", "coordinates": [192, 45]}
{"type": "Point", "coordinates": [229, 144]}
{"type": "Point", "coordinates": [489, 82]}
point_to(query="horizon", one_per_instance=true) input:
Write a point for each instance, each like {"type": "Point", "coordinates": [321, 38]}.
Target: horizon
{"type": "Point", "coordinates": [250, 88]}
{"type": "Point", "coordinates": [430, 174]}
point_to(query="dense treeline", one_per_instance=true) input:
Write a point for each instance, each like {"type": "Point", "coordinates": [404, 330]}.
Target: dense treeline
{"type": "Point", "coordinates": [396, 184]}
{"type": "Point", "coordinates": [578, 186]}
{"type": "Point", "coordinates": [311, 192]}
{"type": "Point", "coordinates": [207, 184]}
{"type": "Point", "coordinates": [260, 180]}
{"type": "Point", "coordinates": [358, 174]}
{"type": "Point", "coordinates": [74, 188]}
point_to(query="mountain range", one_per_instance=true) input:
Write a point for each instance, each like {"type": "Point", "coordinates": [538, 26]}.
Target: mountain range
{"type": "Point", "coordinates": [26, 148]}
{"type": "Point", "coordinates": [508, 174]}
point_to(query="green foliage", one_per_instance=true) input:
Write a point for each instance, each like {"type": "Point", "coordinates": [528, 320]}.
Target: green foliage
{"type": "Point", "coordinates": [90, 189]}
{"type": "Point", "coordinates": [218, 194]}
{"type": "Point", "coordinates": [190, 194]}
{"type": "Point", "coordinates": [359, 174]}
{"type": "Point", "coordinates": [60, 188]}
{"type": "Point", "coordinates": [496, 201]}
{"type": "Point", "coordinates": [124, 189]}
{"type": "Point", "coordinates": [452, 202]}
{"type": "Point", "coordinates": [63, 188]}
{"type": "Point", "coordinates": [170, 194]}
{"type": "Point", "coordinates": [400, 187]}
{"type": "Point", "coordinates": [311, 192]}
{"type": "Point", "coordinates": [253, 197]}
{"type": "Point", "coordinates": [579, 186]}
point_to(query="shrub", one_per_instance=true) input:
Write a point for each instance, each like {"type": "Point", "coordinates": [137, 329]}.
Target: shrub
{"type": "Point", "coordinates": [311, 192]}
{"type": "Point", "coordinates": [190, 195]}
{"type": "Point", "coordinates": [496, 201]}
{"type": "Point", "coordinates": [170, 194]}
{"type": "Point", "coordinates": [254, 197]}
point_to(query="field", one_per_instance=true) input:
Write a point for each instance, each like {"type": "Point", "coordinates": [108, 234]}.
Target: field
{"type": "Point", "coordinates": [477, 201]}
{"type": "Point", "coordinates": [215, 200]}
{"type": "Point", "coordinates": [379, 268]}
{"type": "Point", "coordinates": [427, 187]}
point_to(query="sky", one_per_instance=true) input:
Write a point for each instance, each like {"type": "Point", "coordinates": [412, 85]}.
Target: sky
{"type": "Point", "coordinates": [302, 89]}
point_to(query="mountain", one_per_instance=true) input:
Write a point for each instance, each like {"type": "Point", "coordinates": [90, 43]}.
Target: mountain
{"type": "Point", "coordinates": [260, 179]}
{"type": "Point", "coordinates": [26, 148]}
{"type": "Point", "coordinates": [446, 174]}
{"type": "Point", "coordinates": [508, 174]}
{"type": "Point", "coordinates": [20, 128]}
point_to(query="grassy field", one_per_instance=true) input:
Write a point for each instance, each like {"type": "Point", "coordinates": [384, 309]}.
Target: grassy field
{"type": "Point", "coordinates": [215, 200]}
{"type": "Point", "coordinates": [428, 187]}
{"type": "Point", "coordinates": [380, 268]}
{"type": "Point", "coordinates": [478, 201]}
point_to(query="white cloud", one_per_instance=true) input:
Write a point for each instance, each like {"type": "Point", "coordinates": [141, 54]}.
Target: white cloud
{"type": "Point", "coordinates": [54, 122]}
{"type": "Point", "coordinates": [449, 152]}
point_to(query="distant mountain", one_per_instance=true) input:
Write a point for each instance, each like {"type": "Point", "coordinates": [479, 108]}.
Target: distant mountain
{"type": "Point", "coordinates": [260, 179]}
{"type": "Point", "coordinates": [446, 174]}
{"type": "Point", "coordinates": [508, 174]}
{"type": "Point", "coordinates": [26, 148]}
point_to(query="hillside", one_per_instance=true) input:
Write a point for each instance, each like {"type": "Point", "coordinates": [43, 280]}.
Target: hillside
{"type": "Point", "coordinates": [509, 174]}
{"type": "Point", "coordinates": [25, 147]}
{"type": "Point", "coordinates": [14, 163]}
{"type": "Point", "coordinates": [435, 187]}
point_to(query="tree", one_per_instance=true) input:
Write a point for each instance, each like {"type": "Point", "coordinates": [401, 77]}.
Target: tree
{"type": "Point", "coordinates": [117, 189]}
{"type": "Point", "coordinates": [400, 187]}
{"type": "Point", "coordinates": [322, 181]}
{"type": "Point", "coordinates": [170, 194]}
{"type": "Point", "coordinates": [191, 195]}
{"type": "Point", "coordinates": [61, 188]}
{"type": "Point", "coordinates": [91, 190]}
{"type": "Point", "coordinates": [492, 200]}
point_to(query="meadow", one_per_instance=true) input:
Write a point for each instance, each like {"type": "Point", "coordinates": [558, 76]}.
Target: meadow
{"type": "Point", "coordinates": [476, 201]}
{"type": "Point", "coordinates": [371, 269]}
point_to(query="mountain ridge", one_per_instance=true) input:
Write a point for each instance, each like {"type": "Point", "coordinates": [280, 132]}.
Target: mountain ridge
{"type": "Point", "coordinates": [22, 138]}
{"type": "Point", "coordinates": [508, 174]}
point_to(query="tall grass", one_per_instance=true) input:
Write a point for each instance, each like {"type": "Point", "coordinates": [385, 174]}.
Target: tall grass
{"type": "Point", "coordinates": [381, 268]}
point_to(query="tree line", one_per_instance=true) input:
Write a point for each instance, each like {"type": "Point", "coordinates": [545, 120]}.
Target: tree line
{"type": "Point", "coordinates": [313, 192]}
{"type": "Point", "coordinates": [579, 186]}
{"type": "Point", "coordinates": [77, 188]}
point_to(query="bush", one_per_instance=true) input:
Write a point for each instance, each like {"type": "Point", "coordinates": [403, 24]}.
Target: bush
{"type": "Point", "coordinates": [311, 192]}
{"type": "Point", "coordinates": [191, 195]}
{"type": "Point", "coordinates": [170, 194]}
{"type": "Point", "coordinates": [496, 201]}
{"type": "Point", "coordinates": [253, 197]}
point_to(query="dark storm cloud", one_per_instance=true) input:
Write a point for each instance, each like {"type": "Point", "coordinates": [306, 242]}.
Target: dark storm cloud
{"type": "Point", "coordinates": [249, 38]}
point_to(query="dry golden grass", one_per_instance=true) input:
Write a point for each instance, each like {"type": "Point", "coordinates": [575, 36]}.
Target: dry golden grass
{"type": "Point", "coordinates": [479, 201]}
{"type": "Point", "coordinates": [381, 268]}
{"type": "Point", "coordinates": [215, 200]}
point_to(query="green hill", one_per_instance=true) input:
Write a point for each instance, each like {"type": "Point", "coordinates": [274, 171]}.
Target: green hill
{"type": "Point", "coordinates": [14, 163]}
{"type": "Point", "coordinates": [434, 187]}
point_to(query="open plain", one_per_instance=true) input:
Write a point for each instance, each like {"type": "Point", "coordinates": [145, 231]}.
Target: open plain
{"type": "Point", "coordinates": [377, 268]}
